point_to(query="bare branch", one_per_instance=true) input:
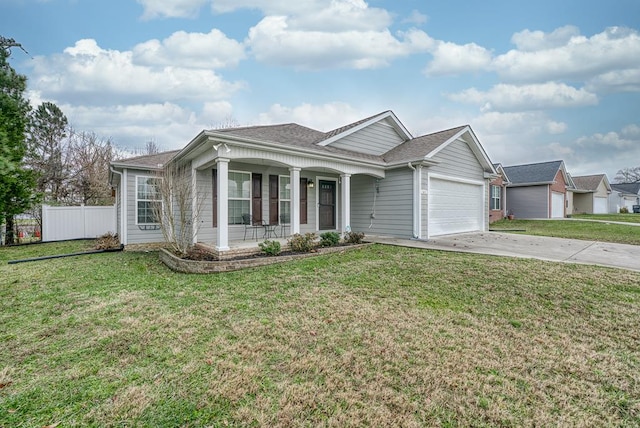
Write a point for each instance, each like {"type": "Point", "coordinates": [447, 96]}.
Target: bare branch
{"type": "Point", "coordinates": [181, 207]}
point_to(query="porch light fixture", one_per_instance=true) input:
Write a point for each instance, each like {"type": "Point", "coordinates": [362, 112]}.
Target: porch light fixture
{"type": "Point", "coordinates": [310, 184]}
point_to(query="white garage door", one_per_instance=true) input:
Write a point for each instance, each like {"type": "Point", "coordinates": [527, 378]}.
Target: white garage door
{"type": "Point", "coordinates": [455, 207]}
{"type": "Point", "coordinates": [557, 205]}
{"type": "Point", "coordinates": [600, 205]}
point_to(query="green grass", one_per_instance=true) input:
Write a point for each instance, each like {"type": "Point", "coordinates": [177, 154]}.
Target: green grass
{"type": "Point", "coordinates": [625, 218]}
{"type": "Point", "coordinates": [380, 336]}
{"type": "Point", "coordinates": [587, 230]}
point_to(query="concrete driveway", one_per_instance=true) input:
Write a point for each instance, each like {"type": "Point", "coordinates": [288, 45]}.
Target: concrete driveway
{"type": "Point", "coordinates": [621, 256]}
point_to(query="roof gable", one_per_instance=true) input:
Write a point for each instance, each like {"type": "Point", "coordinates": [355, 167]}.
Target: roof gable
{"type": "Point", "coordinates": [535, 173]}
{"type": "Point", "coordinates": [590, 183]}
{"type": "Point", "coordinates": [374, 135]}
{"type": "Point", "coordinates": [427, 146]}
{"type": "Point", "coordinates": [500, 170]}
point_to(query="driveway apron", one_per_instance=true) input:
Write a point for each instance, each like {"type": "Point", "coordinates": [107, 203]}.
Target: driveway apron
{"type": "Point", "coordinates": [527, 246]}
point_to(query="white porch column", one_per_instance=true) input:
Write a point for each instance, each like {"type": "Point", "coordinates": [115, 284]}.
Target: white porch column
{"type": "Point", "coordinates": [294, 179]}
{"type": "Point", "coordinates": [223, 204]}
{"type": "Point", "coordinates": [195, 219]}
{"type": "Point", "coordinates": [345, 222]}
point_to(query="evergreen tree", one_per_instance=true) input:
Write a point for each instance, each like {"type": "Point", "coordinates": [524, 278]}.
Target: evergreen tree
{"type": "Point", "coordinates": [46, 154]}
{"type": "Point", "coordinates": [16, 183]}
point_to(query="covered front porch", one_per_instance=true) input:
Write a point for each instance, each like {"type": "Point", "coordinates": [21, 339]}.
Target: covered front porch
{"type": "Point", "coordinates": [245, 196]}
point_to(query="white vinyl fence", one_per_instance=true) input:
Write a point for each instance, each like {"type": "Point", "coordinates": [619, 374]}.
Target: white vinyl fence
{"type": "Point", "coordinates": [62, 223]}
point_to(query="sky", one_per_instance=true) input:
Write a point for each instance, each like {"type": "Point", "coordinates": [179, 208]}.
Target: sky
{"type": "Point", "coordinates": [536, 81]}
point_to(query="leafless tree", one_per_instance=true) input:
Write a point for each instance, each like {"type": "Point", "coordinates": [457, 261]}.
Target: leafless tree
{"type": "Point", "coordinates": [227, 123]}
{"type": "Point", "coordinates": [181, 207]}
{"type": "Point", "coordinates": [88, 181]}
{"type": "Point", "coordinates": [628, 175]}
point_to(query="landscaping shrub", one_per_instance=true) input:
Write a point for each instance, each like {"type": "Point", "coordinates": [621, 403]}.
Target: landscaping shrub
{"type": "Point", "coordinates": [353, 237]}
{"type": "Point", "coordinates": [302, 243]}
{"type": "Point", "coordinates": [624, 210]}
{"type": "Point", "coordinates": [270, 248]}
{"type": "Point", "coordinates": [107, 241]}
{"type": "Point", "coordinates": [329, 239]}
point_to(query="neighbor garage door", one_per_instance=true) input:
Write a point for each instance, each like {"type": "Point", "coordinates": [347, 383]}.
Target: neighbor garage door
{"type": "Point", "coordinates": [557, 205]}
{"type": "Point", "coordinates": [455, 207]}
{"type": "Point", "coordinates": [629, 205]}
{"type": "Point", "coordinates": [600, 205]}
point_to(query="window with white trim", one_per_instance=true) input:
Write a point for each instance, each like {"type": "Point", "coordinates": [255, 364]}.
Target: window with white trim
{"type": "Point", "coordinates": [285, 198]}
{"type": "Point", "coordinates": [148, 200]}
{"type": "Point", "coordinates": [239, 195]}
{"type": "Point", "coordinates": [495, 197]}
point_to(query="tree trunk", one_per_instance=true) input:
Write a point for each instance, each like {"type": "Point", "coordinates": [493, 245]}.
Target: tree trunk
{"type": "Point", "coordinates": [10, 237]}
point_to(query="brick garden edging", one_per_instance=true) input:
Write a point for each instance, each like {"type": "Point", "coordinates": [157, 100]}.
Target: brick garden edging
{"type": "Point", "coordinates": [194, 266]}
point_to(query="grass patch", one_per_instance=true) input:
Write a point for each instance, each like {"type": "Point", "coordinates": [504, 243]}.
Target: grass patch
{"type": "Point", "coordinates": [625, 218]}
{"type": "Point", "coordinates": [382, 336]}
{"type": "Point", "coordinates": [586, 230]}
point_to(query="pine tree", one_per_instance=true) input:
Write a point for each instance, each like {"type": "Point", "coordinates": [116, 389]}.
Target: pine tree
{"type": "Point", "coordinates": [17, 184]}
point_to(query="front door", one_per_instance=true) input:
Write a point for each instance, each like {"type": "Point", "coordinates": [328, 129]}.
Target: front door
{"type": "Point", "coordinates": [327, 205]}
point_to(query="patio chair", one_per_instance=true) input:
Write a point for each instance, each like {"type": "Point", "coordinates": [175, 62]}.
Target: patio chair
{"type": "Point", "coordinates": [251, 224]}
{"type": "Point", "coordinates": [284, 223]}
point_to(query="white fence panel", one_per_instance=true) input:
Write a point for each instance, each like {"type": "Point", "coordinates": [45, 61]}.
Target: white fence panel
{"type": "Point", "coordinates": [62, 223]}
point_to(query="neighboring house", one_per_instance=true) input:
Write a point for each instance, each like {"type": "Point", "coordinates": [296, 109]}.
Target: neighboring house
{"type": "Point", "coordinates": [624, 195]}
{"type": "Point", "coordinates": [591, 194]}
{"type": "Point", "coordinates": [498, 194]}
{"type": "Point", "coordinates": [371, 176]}
{"type": "Point", "coordinates": [537, 190]}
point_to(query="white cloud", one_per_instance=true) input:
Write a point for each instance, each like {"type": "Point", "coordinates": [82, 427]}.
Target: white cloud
{"type": "Point", "coordinates": [579, 57]}
{"type": "Point", "coordinates": [171, 8]}
{"type": "Point", "coordinates": [190, 50]}
{"type": "Point", "coordinates": [531, 41]}
{"type": "Point", "coordinates": [504, 97]}
{"type": "Point", "coordinates": [95, 75]}
{"type": "Point", "coordinates": [416, 17]}
{"type": "Point", "coordinates": [324, 117]}
{"type": "Point", "coordinates": [616, 81]}
{"type": "Point", "coordinates": [451, 58]}
{"type": "Point", "coordinates": [272, 41]}
{"type": "Point", "coordinates": [131, 126]}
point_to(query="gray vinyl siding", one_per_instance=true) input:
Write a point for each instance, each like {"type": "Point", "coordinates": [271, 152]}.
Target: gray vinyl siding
{"type": "Point", "coordinates": [393, 204]}
{"type": "Point", "coordinates": [457, 160]}
{"type": "Point", "coordinates": [528, 202]}
{"type": "Point", "coordinates": [375, 139]}
{"type": "Point", "coordinates": [208, 234]}
{"type": "Point", "coordinates": [137, 234]}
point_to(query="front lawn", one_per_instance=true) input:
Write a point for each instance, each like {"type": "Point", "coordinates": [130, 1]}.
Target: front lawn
{"type": "Point", "coordinates": [381, 336]}
{"type": "Point", "coordinates": [587, 230]}
{"type": "Point", "coordinates": [625, 218]}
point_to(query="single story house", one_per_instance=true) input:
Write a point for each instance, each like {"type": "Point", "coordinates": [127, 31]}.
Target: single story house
{"type": "Point", "coordinates": [498, 194]}
{"type": "Point", "coordinates": [624, 195]}
{"type": "Point", "coordinates": [591, 194]}
{"type": "Point", "coordinates": [537, 190]}
{"type": "Point", "coordinates": [369, 176]}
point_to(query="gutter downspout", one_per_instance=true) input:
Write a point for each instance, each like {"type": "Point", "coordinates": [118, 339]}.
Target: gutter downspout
{"type": "Point", "coordinates": [417, 209]}
{"type": "Point", "coordinates": [122, 206]}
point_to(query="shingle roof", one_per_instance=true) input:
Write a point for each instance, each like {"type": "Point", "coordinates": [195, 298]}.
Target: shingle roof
{"type": "Point", "coordinates": [288, 133]}
{"type": "Point", "coordinates": [292, 134]}
{"type": "Point", "coordinates": [419, 147]}
{"type": "Point", "coordinates": [149, 161]}
{"type": "Point", "coordinates": [533, 173]}
{"type": "Point", "coordinates": [588, 182]}
{"type": "Point", "coordinates": [632, 188]}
